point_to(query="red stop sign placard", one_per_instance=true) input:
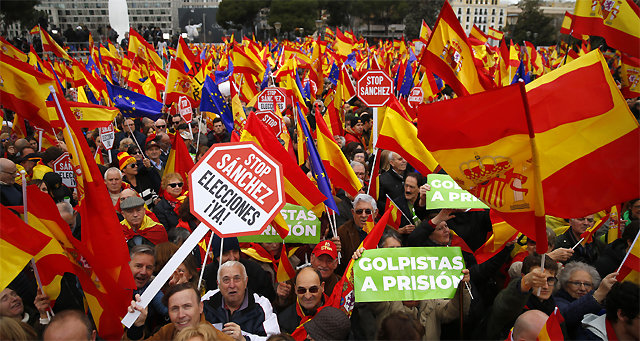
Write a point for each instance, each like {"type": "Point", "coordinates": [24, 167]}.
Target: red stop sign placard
{"type": "Point", "coordinates": [184, 109]}
{"type": "Point", "coordinates": [416, 96]}
{"type": "Point", "coordinates": [375, 88]}
{"type": "Point", "coordinates": [236, 189]}
{"type": "Point", "coordinates": [273, 121]}
{"type": "Point", "coordinates": [271, 95]}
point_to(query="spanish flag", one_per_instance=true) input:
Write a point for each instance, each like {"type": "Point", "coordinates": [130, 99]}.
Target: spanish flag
{"type": "Point", "coordinates": [12, 51]}
{"type": "Point", "coordinates": [478, 34]}
{"type": "Point", "coordinates": [50, 45]}
{"type": "Point", "coordinates": [502, 233]}
{"type": "Point", "coordinates": [90, 116]}
{"type": "Point", "coordinates": [24, 90]}
{"type": "Point", "coordinates": [616, 21]}
{"type": "Point", "coordinates": [629, 270]}
{"type": "Point", "coordinates": [143, 50]}
{"type": "Point", "coordinates": [285, 270]}
{"type": "Point", "coordinates": [395, 219]}
{"type": "Point", "coordinates": [401, 136]}
{"type": "Point", "coordinates": [179, 84]}
{"type": "Point", "coordinates": [335, 163]}
{"type": "Point", "coordinates": [425, 32]}
{"type": "Point", "coordinates": [630, 76]}
{"type": "Point", "coordinates": [179, 160]}
{"type": "Point", "coordinates": [495, 34]}
{"type": "Point", "coordinates": [17, 250]}
{"type": "Point", "coordinates": [299, 189]}
{"type": "Point", "coordinates": [107, 298]}
{"type": "Point", "coordinates": [449, 55]}
{"type": "Point", "coordinates": [551, 329]}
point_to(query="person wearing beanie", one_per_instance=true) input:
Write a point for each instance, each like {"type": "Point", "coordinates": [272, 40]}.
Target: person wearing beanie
{"type": "Point", "coordinates": [328, 324]}
{"type": "Point", "coordinates": [141, 180]}
{"type": "Point", "coordinates": [259, 280]}
{"type": "Point", "coordinates": [353, 133]}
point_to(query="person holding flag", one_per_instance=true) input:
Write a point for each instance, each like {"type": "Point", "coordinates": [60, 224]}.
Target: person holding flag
{"type": "Point", "coordinates": [571, 239]}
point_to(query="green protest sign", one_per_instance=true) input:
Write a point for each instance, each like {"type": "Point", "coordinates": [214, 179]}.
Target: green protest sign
{"type": "Point", "coordinates": [304, 227]}
{"type": "Point", "coordinates": [445, 193]}
{"type": "Point", "coordinates": [407, 274]}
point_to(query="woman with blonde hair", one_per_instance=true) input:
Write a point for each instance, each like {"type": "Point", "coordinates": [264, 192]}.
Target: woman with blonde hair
{"type": "Point", "coordinates": [172, 187]}
{"type": "Point", "coordinates": [204, 332]}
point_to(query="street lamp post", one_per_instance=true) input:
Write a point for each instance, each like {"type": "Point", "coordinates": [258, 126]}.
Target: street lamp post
{"type": "Point", "coordinates": [318, 27]}
{"type": "Point", "coordinates": [278, 26]}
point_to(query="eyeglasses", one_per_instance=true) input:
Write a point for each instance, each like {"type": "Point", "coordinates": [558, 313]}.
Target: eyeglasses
{"type": "Point", "coordinates": [360, 210]}
{"type": "Point", "coordinates": [177, 184]}
{"type": "Point", "coordinates": [133, 165]}
{"type": "Point", "coordinates": [136, 153]}
{"type": "Point", "coordinates": [176, 122]}
{"type": "Point", "coordinates": [552, 280]}
{"type": "Point", "coordinates": [579, 284]}
{"type": "Point", "coordinates": [161, 126]}
{"type": "Point", "coordinates": [302, 290]}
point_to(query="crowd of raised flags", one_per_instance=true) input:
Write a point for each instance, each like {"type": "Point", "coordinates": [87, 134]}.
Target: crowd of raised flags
{"type": "Point", "coordinates": [560, 137]}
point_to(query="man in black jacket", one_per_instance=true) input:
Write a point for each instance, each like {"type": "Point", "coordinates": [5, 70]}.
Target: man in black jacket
{"type": "Point", "coordinates": [237, 312]}
{"type": "Point", "coordinates": [310, 296]}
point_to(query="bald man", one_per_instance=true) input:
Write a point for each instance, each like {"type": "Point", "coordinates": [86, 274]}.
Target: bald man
{"type": "Point", "coordinates": [69, 325]}
{"type": "Point", "coordinates": [528, 325]}
{"type": "Point", "coordinates": [10, 193]}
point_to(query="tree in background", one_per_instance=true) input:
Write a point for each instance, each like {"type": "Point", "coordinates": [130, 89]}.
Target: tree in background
{"type": "Point", "coordinates": [532, 25]}
{"type": "Point", "coordinates": [425, 9]}
{"type": "Point", "coordinates": [294, 14]}
{"type": "Point", "coordinates": [238, 13]}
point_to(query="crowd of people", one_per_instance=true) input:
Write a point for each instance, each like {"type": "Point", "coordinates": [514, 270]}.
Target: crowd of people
{"type": "Point", "coordinates": [233, 293]}
{"type": "Point", "coordinates": [240, 296]}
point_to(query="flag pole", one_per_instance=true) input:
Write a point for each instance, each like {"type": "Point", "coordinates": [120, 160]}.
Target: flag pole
{"type": "Point", "coordinates": [25, 217]}
{"type": "Point", "coordinates": [404, 215]}
{"type": "Point", "coordinates": [206, 255]}
{"type": "Point", "coordinates": [539, 220]}
{"type": "Point", "coordinates": [64, 119]}
{"type": "Point", "coordinates": [578, 243]}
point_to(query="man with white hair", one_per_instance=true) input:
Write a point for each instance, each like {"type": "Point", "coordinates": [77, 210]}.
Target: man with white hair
{"type": "Point", "coordinates": [236, 311]}
{"type": "Point", "coordinates": [352, 233]}
{"type": "Point", "coordinates": [113, 180]}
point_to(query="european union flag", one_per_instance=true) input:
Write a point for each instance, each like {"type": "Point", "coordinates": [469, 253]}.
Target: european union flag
{"type": "Point", "coordinates": [265, 79]}
{"type": "Point", "coordinates": [223, 76]}
{"type": "Point", "coordinates": [212, 101]}
{"type": "Point", "coordinates": [300, 87]}
{"type": "Point", "coordinates": [91, 65]}
{"type": "Point", "coordinates": [317, 168]}
{"type": "Point", "coordinates": [521, 74]}
{"type": "Point", "coordinates": [203, 54]}
{"type": "Point", "coordinates": [133, 104]}
{"type": "Point", "coordinates": [351, 60]}
{"type": "Point", "coordinates": [334, 74]}
{"type": "Point", "coordinates": [407, 81]}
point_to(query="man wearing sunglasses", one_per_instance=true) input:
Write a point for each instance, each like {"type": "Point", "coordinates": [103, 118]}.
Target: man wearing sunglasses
{"type": "Point", "coordinates": [352, 233]}
{"type": "Point", "coordinates": [309, 289]}
{"type": "Point", "coordinates": [161, 126]}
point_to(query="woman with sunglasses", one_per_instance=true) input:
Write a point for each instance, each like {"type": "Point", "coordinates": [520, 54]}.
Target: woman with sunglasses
{"type": "Point", "coordinates": [172, 187]}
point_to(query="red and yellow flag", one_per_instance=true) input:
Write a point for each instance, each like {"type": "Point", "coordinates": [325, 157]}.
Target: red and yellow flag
{"type": "Point", "coordinates": [179, 84]}
{"type": "Point", "coordinates": [425, 32]}
{"type": "Point", "coordinates": [629, 270]}
{"type": "Point", "coordinates": [50, 45]}
{"type": "Point", "coordinates": [630, 76]}
{"type": "Point", "coordinates": [495, 34]}
{"type": "Point", "coordinates": [12, 51]}
{"type": "Point", "coordinates": [502, 233]}
{"type": "Point", "coordinates": [90, 116]}
{"type": "Point", "coordinates": [551, 329]}
{"type": "Point", "coordinates": [335, 163]}
{"type": "Point", "coordinates": [395, 219]}
{"type": "Point", "coordinates": [17, 250]}
{"type": "Point", "coordinates": [179, 160]}
{"type": "Point", "coordinates": [24, 90]}
{"type": "Point", "coordinates": [615, 21]}
{"type": "Point", "coordinates": [285, 270]}
{"type": "Point", "coordinates": [449, 55]}
{"type": "Point", "coordinates": [401, 136]}
{"type": "Point", "coordinates": [299, 189]}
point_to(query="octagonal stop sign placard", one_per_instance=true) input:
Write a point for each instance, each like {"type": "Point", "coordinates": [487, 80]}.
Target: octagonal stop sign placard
{"type": "Point", "coordinates": [236, 189]}
{"type": "Point", "coordinates": [375, 88]}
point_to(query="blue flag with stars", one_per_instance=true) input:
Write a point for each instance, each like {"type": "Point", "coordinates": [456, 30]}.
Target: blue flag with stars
{"type": "Point", "coordinates": [223, 76]}
{"type": "Point", "coordinates": [133, 104]}
{"type": "Point", "coordinates": [334, 74]}
{"type": "Point", "coordinates": [212, 101]}
{"type": "Point", "coordinates": [317, 168]}
{"type": "Point", "coordinates": [265, 79]}
{"type": "Point", "coordinates": [407, 81]}
{"type": "Point", "coordinates": [351, 60]}
{"type": "Point", "coordinates": [521, 74]}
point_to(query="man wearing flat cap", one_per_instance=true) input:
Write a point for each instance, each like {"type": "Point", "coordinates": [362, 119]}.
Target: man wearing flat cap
{"type": "Point", "coordinates": [139, 228]}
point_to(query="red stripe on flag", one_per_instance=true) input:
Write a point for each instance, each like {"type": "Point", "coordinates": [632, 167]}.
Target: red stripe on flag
{"type": "Point", "coordinates": [568, 183]}
{"type": "Point", "coordinates": [594, 99]}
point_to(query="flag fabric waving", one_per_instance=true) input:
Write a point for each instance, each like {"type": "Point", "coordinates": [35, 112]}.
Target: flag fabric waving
{"type": "Point", "coordinates": [551, 329]}
{"type": "Point", "coordinates": [629, 270]}
{"type": "Point", "coordinates": [616, 21]}
{"type": "Point", "coordinates": [449, 55]}
{"type": "Point", "coordinates": [489, 153]}
{"type": "Point", "coordinates": [133, 104]}
{"type": "Point", "coordinates": [630, 76]}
